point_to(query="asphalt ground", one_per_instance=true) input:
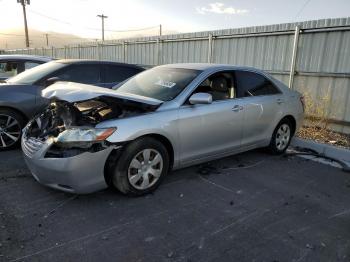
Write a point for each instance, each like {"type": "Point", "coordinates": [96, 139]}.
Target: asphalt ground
{"type": "Point", "coordinates": [248, 207]}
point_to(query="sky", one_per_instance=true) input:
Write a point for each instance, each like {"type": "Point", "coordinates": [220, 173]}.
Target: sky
{"type": "Point", "coordinates": [79, 16]}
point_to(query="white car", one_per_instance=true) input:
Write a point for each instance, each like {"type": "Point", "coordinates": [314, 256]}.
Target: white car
{"type": "Point", "coordinates": [164, 118]}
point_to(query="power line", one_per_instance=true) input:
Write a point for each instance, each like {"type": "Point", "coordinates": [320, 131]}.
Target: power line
{"type": "Point", "coordinates": [133, 30]}
{"type": "Point", "coordinates": [302, 8]}
{"type": "Point", "coordinates": [68, 37]}
{"type": "Point", "coordinates": [40, 39]}
{"type": "Point", "coordinates": [11, 34]}
{"type": "Point", "coordinates": [15, 35]}
{"type": "Point", "coordinates": [91, 28]}
{"type": "Point", "coordinates": [51, 35]}
{"type": "Point", "coordinates": [49, 17]}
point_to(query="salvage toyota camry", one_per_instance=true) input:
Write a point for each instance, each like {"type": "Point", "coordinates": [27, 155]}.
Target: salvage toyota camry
{"type": "Point", "coordinates": [164, 118]}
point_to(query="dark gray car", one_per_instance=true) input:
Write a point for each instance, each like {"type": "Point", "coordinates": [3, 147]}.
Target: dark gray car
{"type": "Point", "coordinates": [20, 96]}
{"type": "Point", "coordinates": [11, 65]}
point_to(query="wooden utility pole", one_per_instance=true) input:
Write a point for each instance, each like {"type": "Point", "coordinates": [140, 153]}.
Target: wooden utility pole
{"type": "Point", "coordinates": [102, 16]}
{"type": "Point", "coordinates": [24, 3]}
{"type": "Point", "coordinates": [47, 39]}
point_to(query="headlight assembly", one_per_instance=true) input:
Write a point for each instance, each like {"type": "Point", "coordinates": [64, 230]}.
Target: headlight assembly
{"type": "Point", "coordinates": [84, 135]}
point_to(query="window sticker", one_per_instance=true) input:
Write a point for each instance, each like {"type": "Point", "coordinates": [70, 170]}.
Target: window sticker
{"type": "Point", "coordinates": [163, 83]}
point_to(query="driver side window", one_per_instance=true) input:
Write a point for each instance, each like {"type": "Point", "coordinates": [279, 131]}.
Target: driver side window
{"type": "Point", "coordinates": [219, 85]}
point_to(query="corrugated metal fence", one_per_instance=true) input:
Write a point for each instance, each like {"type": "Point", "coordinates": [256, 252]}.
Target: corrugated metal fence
{"type": "Point", "coordinates": [314, 54]}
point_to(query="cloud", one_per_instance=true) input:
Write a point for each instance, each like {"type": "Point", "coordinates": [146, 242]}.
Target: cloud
{"type": "Point", "coordinates": [220, 8]}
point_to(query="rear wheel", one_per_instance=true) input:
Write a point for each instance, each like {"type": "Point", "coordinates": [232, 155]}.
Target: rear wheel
{"type": "Point", "coordinates": [281, 137]}
{"type": "Point", "coordinates": [141, 167]}
{"type": "Point", "coordinates": [11, 125]}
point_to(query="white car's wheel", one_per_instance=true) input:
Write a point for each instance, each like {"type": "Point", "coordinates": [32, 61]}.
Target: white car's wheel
{"type": "Point", "coordinates": [281, 137]}
{"type": "Point", "coordinates": [145, 169]}
{"type": "Point", "coordinates": [141, 167]}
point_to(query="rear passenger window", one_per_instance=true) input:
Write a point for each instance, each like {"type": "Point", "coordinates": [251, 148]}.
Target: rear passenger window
{"type": "Point", "coordinates": [253, 84]}
{"type": "Point", "coordinates": [116, 74]}
{"type": "Point", "coordinates": [86, 74]}
{"type": "Point", "coordinates": [29, 65]}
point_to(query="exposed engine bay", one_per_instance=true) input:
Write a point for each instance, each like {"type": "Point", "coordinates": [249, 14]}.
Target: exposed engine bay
{"type": "Point", "coordinates": [62, 115]}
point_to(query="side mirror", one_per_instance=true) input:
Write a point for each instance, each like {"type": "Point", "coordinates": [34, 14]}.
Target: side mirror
{"type": "Point", "coordinates": [52, 80]}
{"type": "Point", "coordinates": [201, 98]}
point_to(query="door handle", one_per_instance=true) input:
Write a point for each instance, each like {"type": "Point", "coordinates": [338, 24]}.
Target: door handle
{"type": "Point", "coordinates": [237, 108]}
{"type": "Point", "coordinates": [280, 101]}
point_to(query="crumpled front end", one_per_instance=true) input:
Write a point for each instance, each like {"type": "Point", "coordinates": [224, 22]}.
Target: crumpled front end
{"type": "Point", "coordinates": [63, 148]}
{"type": "Point", "coordinates": [81, 173]}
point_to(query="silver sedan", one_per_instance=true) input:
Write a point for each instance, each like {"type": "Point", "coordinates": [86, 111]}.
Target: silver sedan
{"type": "Point", "coordinates": [165, 118]}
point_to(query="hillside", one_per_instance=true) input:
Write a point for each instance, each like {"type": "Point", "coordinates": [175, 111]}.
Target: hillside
{"type": "Point", "coordinates": [11, 39]}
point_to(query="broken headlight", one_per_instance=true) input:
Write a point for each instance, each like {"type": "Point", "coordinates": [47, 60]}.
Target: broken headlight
{"type": "Point", "coordinates": [84, 135]}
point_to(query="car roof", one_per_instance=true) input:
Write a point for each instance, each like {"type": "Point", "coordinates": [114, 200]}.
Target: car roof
{"type": "Point", "coordinates": [209, 66]}
{"type": "Point", "coordinates": [94, 61]}
{"type": "Point", "coordinates": [26, 57]}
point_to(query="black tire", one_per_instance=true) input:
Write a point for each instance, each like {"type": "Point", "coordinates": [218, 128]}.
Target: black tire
{"type": "Point", "coordinates": [6, 142]}
{"type": "Point", "coordinates": [274, 146]}
{"type": "Point", "coordinates": [120, 171]}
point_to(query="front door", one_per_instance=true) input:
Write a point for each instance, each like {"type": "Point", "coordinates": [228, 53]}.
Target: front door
{"type": "Point", "coordinates": [207, 130]}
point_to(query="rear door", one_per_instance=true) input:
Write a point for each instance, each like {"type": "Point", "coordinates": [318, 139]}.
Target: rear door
{"type": "Point", "coordinates": [114, 74]}
{"type": "Point", "coordinates": [81, 73]}
{"type": "Point", "coordinates": [263, 104]}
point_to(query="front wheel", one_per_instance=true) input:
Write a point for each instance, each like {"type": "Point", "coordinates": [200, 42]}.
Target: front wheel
{"type": "Point", "coordinates": [11, 125]}
{"type": "Point", "coordinates": [141, 167]}
{"type": "Point", "coordinates": [281, 137]}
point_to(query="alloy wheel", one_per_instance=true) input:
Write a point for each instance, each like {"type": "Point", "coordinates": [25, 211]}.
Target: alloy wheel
{"type": "Point", "coordinates": [10, 131]}
{"type": "Point", "coordinates": [282, 137]}
{"type": "Point", "coordinates": [145, 169]}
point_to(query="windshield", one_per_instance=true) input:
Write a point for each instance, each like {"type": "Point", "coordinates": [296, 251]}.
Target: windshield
{"type": "Point", "coordinates": [34, 74]}
{"type": "Point", "coordinates": [159, 83]}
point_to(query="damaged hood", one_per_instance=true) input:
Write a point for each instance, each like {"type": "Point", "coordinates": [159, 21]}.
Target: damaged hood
{"type": "Point", "coordinates": [74, 92]}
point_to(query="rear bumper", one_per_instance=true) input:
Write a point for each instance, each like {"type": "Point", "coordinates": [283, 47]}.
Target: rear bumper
{"type": "Point", "coordinates": [80, 174]}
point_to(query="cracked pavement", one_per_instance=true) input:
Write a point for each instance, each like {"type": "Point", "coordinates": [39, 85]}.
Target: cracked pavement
{"type": "Point", "coordinates": [248, 207]}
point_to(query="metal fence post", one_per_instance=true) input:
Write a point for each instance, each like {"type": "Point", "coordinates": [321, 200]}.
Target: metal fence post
{"type": "Point", "coordinates": [52, 52]}
{"type": "Point", "coordinates": [125, 52]}
{"type": "Point", "coordinates": [79, 55]}
{"type": "Point", "coordinates": [116, 54]}
{"type": "Point", "coordinates": [65, 52]}
{"type": "Point", "coordinates": [210, 47]}
{"type": "Point", "coordinates": [159, 51]}
{"type": "Point", "coordinates": [294, 56]}
{"type": "Point", "coordinates": [99, 55]}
